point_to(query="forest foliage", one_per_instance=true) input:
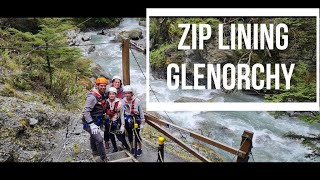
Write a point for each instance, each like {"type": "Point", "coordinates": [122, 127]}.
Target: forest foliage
{"type": "Point", "coordinates": [35, 56]}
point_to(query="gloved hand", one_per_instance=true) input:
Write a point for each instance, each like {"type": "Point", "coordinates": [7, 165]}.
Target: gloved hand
{"type": "Point", "coordinates": [143, 121]}
{"type": "Point", "coordinates": [94, 128]}
{"type": "Point", "coordinates": [122, 129]}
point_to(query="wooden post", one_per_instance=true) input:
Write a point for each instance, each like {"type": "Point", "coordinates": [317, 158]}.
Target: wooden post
{"type": "Point", "coordinates": [125, 62]}
{"type": "Point", "coordinates": [161, 150]}
{"type": "Point", "coordinates": [245, 145]}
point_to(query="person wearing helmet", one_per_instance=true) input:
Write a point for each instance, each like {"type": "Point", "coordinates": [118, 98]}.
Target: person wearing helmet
{"type": "Point", "coordinates": [116, 83]}
{"type": "Point", "coordinates": [133, 114]}
{"type": "Point", "coordinates": [93, 115]}
{"type": "Point", "coordinates": [115, 119]}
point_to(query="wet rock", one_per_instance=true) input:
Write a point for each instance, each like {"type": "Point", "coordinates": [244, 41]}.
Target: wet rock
{"type": "Point", "coordinates": [292, 114]}
{"type": "Point", "coordinates": [189, 99]}
{"type": "Point", "coordinates": [263, 139]}
{"type": "Point", "coordinates": [216, 99]}
{"type": "Point", "coordinates": [142, 23]}
{"type": "Point", "coordinates": [33, 121]}
{"type": "Point", "coordinates": [132, 34]}
{"type": "Point", "coordinates": [86, 38]}
{"type": "Point", "coordinates": [102, 33]}
{"type": "Point", "coordinates": [72, 33]}
{"type": "Point", "coordinates": [91, 49]}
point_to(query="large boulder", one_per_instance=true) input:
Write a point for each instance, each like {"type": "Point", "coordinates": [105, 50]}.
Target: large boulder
{"type": "Point", "coordinates": [98, 71]}
{"type": "Point", "coordinates": [86, 38]}
{"type": "Point", "coordinates": [142, 23]}
{"type": "Point", "coordinates": [217, 56]}
{"type": "Point", "coordinates": [91, 49]}
{"type": "Point", "coordinates": [135, 34]}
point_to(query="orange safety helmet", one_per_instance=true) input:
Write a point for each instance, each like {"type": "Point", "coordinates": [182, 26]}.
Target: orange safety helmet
{"type": "Point", "coordinates": [101, 80]}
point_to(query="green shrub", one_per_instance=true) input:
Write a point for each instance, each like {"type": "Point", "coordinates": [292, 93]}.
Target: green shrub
{"type": "Point", "coordinates": [158, 57]}
{"type": "Point", "coordinates": [64, 85]}
{"type": "Point", "coordinates": [8, 91]}
{"type": "Point", "coordinates": [76, 149]}
{"type": "Point", "coordinates": [303, 87]}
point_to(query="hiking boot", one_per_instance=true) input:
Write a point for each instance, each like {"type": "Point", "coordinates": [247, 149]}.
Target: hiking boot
{"type": "Point", "coordinates": [95, 153]}
{"type": "Point", "coordinates": [102, 159]}
{"type": "Point", "coordinates": [115, 150]}
{"type": "Point", "coordinates": [132, 151]}
{"type": "Point", "coordinates": [107, 145]}
{"type": "Point", "coordinates": [139, 152]}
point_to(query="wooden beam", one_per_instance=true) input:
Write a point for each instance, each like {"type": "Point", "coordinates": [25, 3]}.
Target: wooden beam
{"type": "Point", "coordinates": [122, 159]}
{"type": "Point", "coordinates": [137, 46]}
{"type": "Point", "coordinates": [179, 142]}
{"type": "Point", "coordinates": [125, 62]}
{"type": "Point", "coordinates": [197, 136]}
{"type": "Point", "coordinates": [246, 146]}
{"type": "Point", "coordinates": [132, 157]}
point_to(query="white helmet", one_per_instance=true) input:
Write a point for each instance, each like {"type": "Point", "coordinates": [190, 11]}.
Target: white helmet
{"type": "Point", "coordinates": [112, 89]}
{"type": "Point", "coordinates": [127, 88]}
{"type": "Point", "coordinates": [116, 77]}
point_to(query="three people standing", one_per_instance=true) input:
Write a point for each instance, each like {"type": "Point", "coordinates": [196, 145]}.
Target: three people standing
{"type": "Point", "coordinates": [106, 108]}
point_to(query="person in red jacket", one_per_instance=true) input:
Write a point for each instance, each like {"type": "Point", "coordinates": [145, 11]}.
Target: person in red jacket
{"type": "Point", "coordinates": [115, 120]}
{"type": "Point", "coordinates": [117, 84]}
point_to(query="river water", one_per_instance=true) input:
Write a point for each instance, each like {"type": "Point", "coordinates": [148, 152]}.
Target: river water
{"type": "Point", "coordinates": [269, 145]}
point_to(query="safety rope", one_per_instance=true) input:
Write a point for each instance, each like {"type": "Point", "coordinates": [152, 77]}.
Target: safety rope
{"type": "Point", "coordinates": [144, 145]}
{"type": "Point", "coordinates": [252, 156]}
{"type": "Point", "coordinates": [154, 92]}
{"type": "Point", "coordinates": [149, 84]}
{"type": "Point", "coordinates": [161, 159]}
{"type": "Point", "coordinates": [91, 44]}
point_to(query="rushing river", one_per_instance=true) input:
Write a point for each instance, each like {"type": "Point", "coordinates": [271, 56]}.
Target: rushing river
{"type": "Point", "coordinates": [269, 144]}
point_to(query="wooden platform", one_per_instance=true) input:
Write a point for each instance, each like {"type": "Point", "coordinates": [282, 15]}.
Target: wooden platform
{"type": "Point", "coordinates": [121, 156]}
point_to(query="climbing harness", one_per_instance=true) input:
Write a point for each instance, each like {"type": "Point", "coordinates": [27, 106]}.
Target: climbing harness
{"type": "Point", "coordinates": [112, 110]}
{"type": "Point", "coordinates": [98, 120]}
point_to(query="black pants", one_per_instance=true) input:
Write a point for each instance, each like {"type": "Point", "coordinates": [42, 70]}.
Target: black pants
{"type": "Point", "coordinates": [115, 125]}
{"type": "Point", "coordinates": [121, 138]}
{"type": "Point", "coordinates": [130, 133]}
{"type": "Point", "coordinates": [106, 135]}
